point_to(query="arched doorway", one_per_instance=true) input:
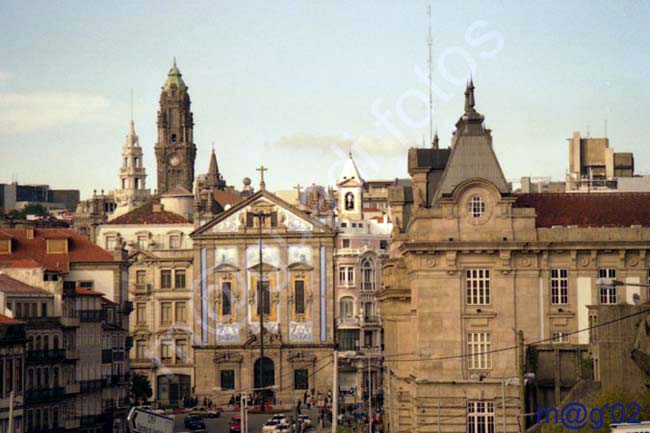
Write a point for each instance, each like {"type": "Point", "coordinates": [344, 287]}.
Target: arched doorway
{"type": "Point", "coordinates": [268, 373]}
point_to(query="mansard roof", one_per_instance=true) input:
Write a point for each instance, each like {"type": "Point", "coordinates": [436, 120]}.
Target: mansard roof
{"type": "Point", "coordinates": [615, 209]}
{"type": "Point", "coordinates": [472, 155]}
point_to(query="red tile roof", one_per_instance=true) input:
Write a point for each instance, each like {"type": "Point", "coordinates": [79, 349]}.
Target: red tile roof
{"type": "Point", "coordinates": [225, 197]}
{"type": "Point", "coordinates": [145, 214]}
{"type": "Point", "coordinates": [622, 209]}
{"type": "Point", "coordinates": [80, 291]}
{"type": "Point", "coordinates": [5, 320]}
{"type": "Point", "coordinates": [80, 250]}
{"type": "Point", "coordinates": [26, 263]}
{"type": "Point", "coordinates": [11, 285]}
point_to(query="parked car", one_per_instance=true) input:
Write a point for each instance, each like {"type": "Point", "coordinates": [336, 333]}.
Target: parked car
{"type": "Point", "coordinates": [281, 428]}
{"type": "Point", "coordinates": [194, 422]}
{"type": "Point", "coordinates": [304, 419]}
{"type": "Point", "coordinates": [269, 426]}
{"type": "Point", "coordinates": [280, 418]}
{"type": "Point", "coordinates": [204, 412]}
{"type": "Point", "coordinates": [234, 426]}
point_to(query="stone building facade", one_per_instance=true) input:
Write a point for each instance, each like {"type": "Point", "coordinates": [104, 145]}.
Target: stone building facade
{"type": "Point", "coordinates": [84, 281]}
{"type": "Point", "coordinates": [160, 286]}
{"type": "Point", "coordinates": [298, 308]}
{"type": "Point", "coordinates": [361, 246]}
{"type": "Point", "coordinates": [175, 149]}
{"type": "Point", "coordinates": [470, 262]}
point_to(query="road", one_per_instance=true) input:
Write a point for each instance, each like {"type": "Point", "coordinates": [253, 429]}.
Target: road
{"type": "Point", "coordinates": [255, 421]}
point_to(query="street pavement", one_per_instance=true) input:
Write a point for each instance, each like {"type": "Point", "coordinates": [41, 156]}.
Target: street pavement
{"type": "Point", "coordinates": [255, 421]}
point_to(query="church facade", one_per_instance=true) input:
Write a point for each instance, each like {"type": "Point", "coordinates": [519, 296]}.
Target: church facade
{"type": "Point", "coordinates": [471, 263]}
{"type": "Point", "coordinates": [291, 290]}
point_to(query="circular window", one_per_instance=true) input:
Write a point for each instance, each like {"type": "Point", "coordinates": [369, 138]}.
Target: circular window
{"type": "Point", "coordinates": [476, 207]}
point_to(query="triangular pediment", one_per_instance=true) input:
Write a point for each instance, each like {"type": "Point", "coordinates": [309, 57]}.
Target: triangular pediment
{"type": "Point", "coordinates": [289, 217]}
{"type": "Point", "coordinates": [265, 268]}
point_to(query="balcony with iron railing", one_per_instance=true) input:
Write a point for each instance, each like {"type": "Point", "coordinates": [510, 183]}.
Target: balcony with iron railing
{"type": "Point", "coordinates": [350, 322]}
{"type": "Point", "coordinates": [49, 356]}
{"type": "Point", "coordinates": [44, 395]}
{"type": "Point", "coordinates": [92, 315]}
{"type": "Point", "coordinates": [372, 320]}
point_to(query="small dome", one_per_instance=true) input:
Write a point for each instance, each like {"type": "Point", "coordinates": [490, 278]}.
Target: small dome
{"type": "Point", "coordinates": [247, 181]}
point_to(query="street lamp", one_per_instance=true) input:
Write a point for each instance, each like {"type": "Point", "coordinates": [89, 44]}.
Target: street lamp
{"type": "Point", "coordinates": [261, 302]}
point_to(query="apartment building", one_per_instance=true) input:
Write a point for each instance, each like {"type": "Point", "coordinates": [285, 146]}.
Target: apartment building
{"type": "Point", "coordinates": [12, 374]}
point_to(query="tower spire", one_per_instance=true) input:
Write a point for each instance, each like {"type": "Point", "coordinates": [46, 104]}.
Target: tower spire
{"type": "Point", "coordinates": [436, 140]}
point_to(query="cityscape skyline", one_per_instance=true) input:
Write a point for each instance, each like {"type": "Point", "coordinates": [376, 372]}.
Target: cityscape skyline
{"type": "Point", "coordinates": [79, 103]}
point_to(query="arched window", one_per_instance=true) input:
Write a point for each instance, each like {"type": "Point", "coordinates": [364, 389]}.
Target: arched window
{"type": "Point", "coordinates": [367, 274]}
{"type": "Point", "coordinates": [56, 342]}
{"type": "Point", "coordinates": [476, 207]}
{"type": "Point", "coordinates": [346, 307]}
{"type": "Point", "coordinates": [37, 346]}
{"type": "Point", "coordinates": [349, 201]}
{"type": "Point", "coordinates": [46, 343]}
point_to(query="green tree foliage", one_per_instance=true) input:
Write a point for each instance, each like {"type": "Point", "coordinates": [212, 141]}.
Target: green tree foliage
{"type": "Point", "coordinates": [140, 388]}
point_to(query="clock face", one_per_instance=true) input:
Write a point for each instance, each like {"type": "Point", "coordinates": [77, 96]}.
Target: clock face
{"type": "Point", "coordinates": [174, 160]}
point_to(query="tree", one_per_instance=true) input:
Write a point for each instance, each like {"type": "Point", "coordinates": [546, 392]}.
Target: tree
{"type": "Point", "coordinates": [140, 388]}
{"type": "Point", "coordinates": [35, 209]}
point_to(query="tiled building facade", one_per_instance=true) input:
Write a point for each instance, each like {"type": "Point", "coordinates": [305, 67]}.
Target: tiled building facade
{"type": "Point", "coordinates": [298, 308]}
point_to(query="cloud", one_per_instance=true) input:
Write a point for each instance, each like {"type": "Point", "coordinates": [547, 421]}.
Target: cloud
{"type": "Point", "coordinates": [384, 145]}
{"type": "Point", "coordinates": [21, 113]}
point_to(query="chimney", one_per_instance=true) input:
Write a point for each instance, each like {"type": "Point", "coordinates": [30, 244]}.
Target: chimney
{"type": "Point", "coordinates": [29, 233]}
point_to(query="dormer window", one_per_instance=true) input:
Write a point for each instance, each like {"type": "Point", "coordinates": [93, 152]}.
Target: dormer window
{"type": "Point", "coordinates": [57, 246]}
{"type": "Point", "coordinates": [5, 246]}
{"type": "Point", "coordinates": [476, 206]}
{"type": "Point", "coordinates": [349, 201]}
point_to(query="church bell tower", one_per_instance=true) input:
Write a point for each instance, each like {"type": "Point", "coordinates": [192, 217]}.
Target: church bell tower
{"type": "Point", "coordinates": [175, 149]}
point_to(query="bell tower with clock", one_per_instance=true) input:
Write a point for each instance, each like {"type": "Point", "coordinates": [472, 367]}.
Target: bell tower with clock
{"type": "Point", "coordinates": [175, 149]}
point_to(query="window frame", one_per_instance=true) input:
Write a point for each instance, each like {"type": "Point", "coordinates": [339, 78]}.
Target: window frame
{"type": "Point", "coordinates": [559, 286]}
{"type": "Point", "coordinates": [477, 286]}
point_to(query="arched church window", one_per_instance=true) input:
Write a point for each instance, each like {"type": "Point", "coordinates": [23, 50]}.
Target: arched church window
{"type": "Point", "coordinates": [349, 201]}
{"type": "Point", "coordinates": [367, 274]}
{"type": "Point", "coordinates": [173, 138]}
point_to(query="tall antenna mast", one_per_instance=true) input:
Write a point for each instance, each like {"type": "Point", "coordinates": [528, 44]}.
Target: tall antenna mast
{"type": "Point", "coordinates": [430, 41]}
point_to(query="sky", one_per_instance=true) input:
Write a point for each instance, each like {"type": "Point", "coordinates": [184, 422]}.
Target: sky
{"type": "Point", "coordinates": [296, 85]}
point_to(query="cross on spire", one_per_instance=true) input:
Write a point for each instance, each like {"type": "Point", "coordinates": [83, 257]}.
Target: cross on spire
{"type": "Point", "coordinates": [262, 169]}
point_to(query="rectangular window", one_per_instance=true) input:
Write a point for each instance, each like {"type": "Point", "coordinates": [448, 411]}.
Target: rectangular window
{"type": "Point", "coordinates": [141, 313]}
{"type": "Point", "coordinates": [43, 309]}
{"type": "Point", "coordinates": [175, 242]}
{"type": "Point", "coordinates": [141, 349]}
{"type": "Point", "coordinates": [165, 312]}
{"type": "Point", "coordinates": [110, 243]}
{"type": "Point", "coordinates": [227, 379]}
{"type": "Point", "coordinates": [166, 350]}
{"type": "Point", "coordinates": [348, 339]}
{"type": "Point", "coordinates": [142, 242]}
{"type": "Point", "coordinates": [141, 279]}
{"type": "Point", "coordinates": [478, 348]}
{"type": "Point", "coordinates": [166, 279]}
{"type": "Point", "coordinates": [180, 312]}
{"type": "Point", "coordinates": [480, 417]}
{"type": "Point", "coordinates": [56, 246]}
{"type": "Point", "coordinates": [383, 245]}
{"type": "Point", "coordinates": [226, 298]}
{"type": "Point", "coordinates": [478, 286]}
{"type": "Point", "coordinates": [300, 378]}
{"type": "Point", "coordinates": [559, 337]}
{"type": "Point", "coordinates": [263, 292]}
{"type": "Point", "coordinates": [346, 243]}
{"type": "Point", "coordinates": [299, 297]}
{"type": "Point", "coordinates": [559, 286]}
{"type": "Point", "coordinates": [350, 275]}
{"type": "Point", "coordinates": [181, 350]}
{"type": "Point", "coordinates": [179, 277]}
{"type": "Point", "coordinates": [607, 292]}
